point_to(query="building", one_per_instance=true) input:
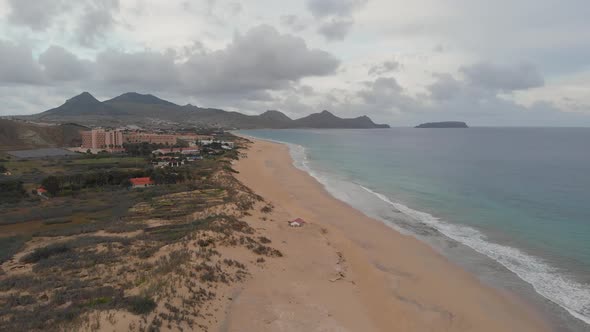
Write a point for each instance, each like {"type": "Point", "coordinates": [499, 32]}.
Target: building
{"type": "Point", "coordinates": [183, 151]}
{"type": "Point", "coordinates": [136, 137]}
{"type": "Point", "coordinates": [297, 223]}
{"type": "Point", "coordinates": [168, 161]}
{"type": "Point", "coordinates": [192, 139]}
{"type": "Point", "coordinates": [141, 182]}
{"type": "Point", "coordinates": [101, 139]}
{"type": "Point", "coordinates": [207, 142]}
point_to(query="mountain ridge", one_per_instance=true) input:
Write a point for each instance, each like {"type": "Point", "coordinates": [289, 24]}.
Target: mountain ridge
{"type": "Point", "coordinates": [147, 109]}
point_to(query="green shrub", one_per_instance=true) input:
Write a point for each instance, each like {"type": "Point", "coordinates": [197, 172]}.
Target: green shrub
{"type": "Point", "coordinates": [44, 253]}
{"type": "Point", "coordinates": [10, 246]}
{"type": "Point", "coordinates": [140, 305]}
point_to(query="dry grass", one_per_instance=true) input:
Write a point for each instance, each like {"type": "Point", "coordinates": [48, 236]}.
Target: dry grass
{"type": "Point", "coordinates": [160, 261]}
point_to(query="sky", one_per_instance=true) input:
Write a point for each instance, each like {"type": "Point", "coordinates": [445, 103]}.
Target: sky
{"type": "Point", "coordinates": [489, 63]}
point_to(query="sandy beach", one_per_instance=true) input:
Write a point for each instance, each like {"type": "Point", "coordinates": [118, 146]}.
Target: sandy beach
{"type": "Point", "coordinates": [344, 271]}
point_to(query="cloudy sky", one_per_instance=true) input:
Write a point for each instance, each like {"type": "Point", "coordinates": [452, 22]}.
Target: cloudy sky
{"type": "Point", "coordinates": [502, 62]}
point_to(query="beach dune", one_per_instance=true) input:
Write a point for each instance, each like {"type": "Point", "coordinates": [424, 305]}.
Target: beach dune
{"type": "Point", "coordinates": [343, 271]}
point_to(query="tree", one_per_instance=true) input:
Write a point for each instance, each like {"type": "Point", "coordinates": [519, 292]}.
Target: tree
{"type": "Point", "coordinates": [52, 184]}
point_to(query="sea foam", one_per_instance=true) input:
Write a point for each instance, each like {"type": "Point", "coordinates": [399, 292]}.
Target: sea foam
{"type": "Point", "coordinates": [546, 280]}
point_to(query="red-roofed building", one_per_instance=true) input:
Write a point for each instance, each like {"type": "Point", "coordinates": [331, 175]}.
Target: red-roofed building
{"type": "Point", "coordinates": [297, 222]}
{"type": "Point", "coordinates": [141, 182]}
{"type": "Point", "coordinates": [41, 191]}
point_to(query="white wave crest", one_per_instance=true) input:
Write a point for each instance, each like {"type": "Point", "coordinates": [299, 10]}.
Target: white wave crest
{"type": "Point", "coordinates": [546, 280]}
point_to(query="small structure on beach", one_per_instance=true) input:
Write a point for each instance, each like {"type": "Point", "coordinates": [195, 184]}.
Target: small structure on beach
{"type": "Point", "coordinates": [297, 222]}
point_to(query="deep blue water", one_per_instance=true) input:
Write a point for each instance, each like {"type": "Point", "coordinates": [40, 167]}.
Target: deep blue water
{"type": "Point", "coordinates": [520, 196]}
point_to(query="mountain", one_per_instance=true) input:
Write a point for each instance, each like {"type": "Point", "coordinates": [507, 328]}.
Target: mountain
{"type": "Point", "coordinates": [136, 98]}
{"type": "Point", "coordinates": [16, 135]}
{"type": "Point", "coordinates": [148, 110]}
{"type": "Point", "coordinates": [326, 119]}
{"type": "Point", "coordinates": [445, 124]}
{"type": "Point", "coordinates": [83, 104]}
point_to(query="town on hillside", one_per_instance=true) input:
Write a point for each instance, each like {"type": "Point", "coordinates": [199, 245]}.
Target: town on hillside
{"type": "Point", "coordinates": [151, 153]}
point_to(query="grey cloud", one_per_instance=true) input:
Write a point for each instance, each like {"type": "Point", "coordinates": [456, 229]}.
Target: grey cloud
{"type": "Point", "coordinates": [323, 8]}
{"type": "Point", "coordinates": [504, 78]}
{"type": "Point", "coordinates": [96, 21]}
{"type": "Point", "coordinates": [261, 59]}
{"type": "Point", "coordinates": [61, 65]}
{"type": "Point", "coordinates": [235, 8]}
{"type": "Point", "coordinates": [384, 68]}
{"type": "Point", "coordinates": [293, 22]}
{"type": "Point", "coordinates": [134, 70]}
{"type": "Point", "coordinates": [445, 87]}
{"type": "Point", "coordinates": [381, 87]}
{"type": "Point", "coordinates": [17, 65]}
{"type": "Point", "coordinates": [384, 95]}
{"type": "Point", "coordinates": [36, 14]}
{"type": "Point", "coordinates": [336, 28]}
{"type": "Point", "coordinates": [335, 16]}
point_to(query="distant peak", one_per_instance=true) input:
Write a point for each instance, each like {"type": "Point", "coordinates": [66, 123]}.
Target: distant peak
{"type": "Point", "coordinates": [324, 112]}
{"type": "Point", "coordinates": [275, 115]}
{"type": "Point", "coordinates": [138, 98]}
{"type": "Point", "coordinates": [84, 97]}
{"type": "Point", "coordinates": [269, 112]}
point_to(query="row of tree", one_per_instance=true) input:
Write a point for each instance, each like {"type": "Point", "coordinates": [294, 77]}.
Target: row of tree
{"type": "Point", "coordinates": [145, 149]}
{"type": "Point", "coordinates": [56, 184]}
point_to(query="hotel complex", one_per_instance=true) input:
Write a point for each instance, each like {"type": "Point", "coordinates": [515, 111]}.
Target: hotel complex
{"type": "Point", "coordinates": [98, 139]}
{"type": "Point", "coordinates": [135, 137]}
{"type": "Point", "coordinates": [113, 140]}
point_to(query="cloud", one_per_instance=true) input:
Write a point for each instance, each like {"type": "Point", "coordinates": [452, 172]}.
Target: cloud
{"type": "Point", "coordinates": [261, 59]}
{"type": "Point", "coordinates": [293, 22]}
{"type": "Point", "coordinates": [504, 78]}
{"type": "Point", "coordinates": [147, 70]}
{"type": "Point", "coordinates": [334, 16]}
{"type": "Point", "coordinates": [445, 87]}
{"type": "Point", "coordinates": [88, 20]}
{"type": "Point", "coordinates": [17, 65]}
{"type": "Point", "coordinates": [323, 8]}
{"type": "Point", "coordinates": [381, 88]}
{"type": "Point", "coordinates": [96, 20]}
{"type": "Point", "coordinates": [384, 68]}
{"type": "Point", "coordinates": [35, 14]}
{"type": "Point", "coordinates": [336, 28]}
{"type": "Point", "coordinates": [62, 65]}
{"type": "Point", "coordinates": [384, 96]}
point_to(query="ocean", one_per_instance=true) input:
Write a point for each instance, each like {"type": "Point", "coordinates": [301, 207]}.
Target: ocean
{"type": "Point", "coordinates": [511, 205]}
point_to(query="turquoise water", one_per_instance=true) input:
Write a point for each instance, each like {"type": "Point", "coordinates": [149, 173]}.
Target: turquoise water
{"type": "Point", "coordinates": [519, 196]}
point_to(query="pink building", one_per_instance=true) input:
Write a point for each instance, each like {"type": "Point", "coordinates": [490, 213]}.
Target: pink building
{"type": "Point", "coordinates": [100, 139]}
{"type": "Point", "coordinates": [150, 138]}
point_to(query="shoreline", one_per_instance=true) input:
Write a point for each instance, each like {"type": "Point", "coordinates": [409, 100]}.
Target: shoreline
{"type": "Point", "coordinates": [389, 280]}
